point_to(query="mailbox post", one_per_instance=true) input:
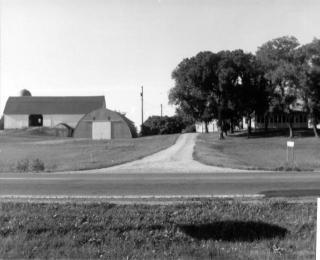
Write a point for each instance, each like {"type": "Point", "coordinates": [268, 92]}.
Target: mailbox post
{"type": "Point", "coordinates": [290, 146]}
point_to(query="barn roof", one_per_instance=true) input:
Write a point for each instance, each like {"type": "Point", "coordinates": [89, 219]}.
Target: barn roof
{"type": "Point", "coordinates": [53, 105]}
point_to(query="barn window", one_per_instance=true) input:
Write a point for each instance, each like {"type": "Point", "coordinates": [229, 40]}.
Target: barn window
{"type": "Point", "coordinates": [35, 120]}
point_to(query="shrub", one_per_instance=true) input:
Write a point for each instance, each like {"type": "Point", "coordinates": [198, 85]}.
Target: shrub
{"type": "Point", "coordinates": [37, 165]}
{"type": "Point", "coordinates": [22, 165]}
{"type": "Point", "coordinates": [189, 129]}
{"type": "Point", "coordinates": [156, 125]}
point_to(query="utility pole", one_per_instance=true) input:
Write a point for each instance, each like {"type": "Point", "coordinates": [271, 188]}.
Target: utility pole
{"type": "Point", "coordinates": [161, 110]}
{"type": "Point", "coordinates": [141, 94]}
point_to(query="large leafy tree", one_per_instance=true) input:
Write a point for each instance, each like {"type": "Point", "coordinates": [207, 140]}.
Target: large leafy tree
{"type": "Point", "coordinates": [278, 61]}
{"type": "Point", "coordinates": [193, 83]}
{"type": "Point", "coordinates": [250, 93]}
{"type": "Point", "coordinates": [308, 61]}
{"type": "Point", "coordinates": [223, 86]}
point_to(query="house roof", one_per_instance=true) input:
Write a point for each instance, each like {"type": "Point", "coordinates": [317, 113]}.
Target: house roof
{"type": "Point", "coordinates": [53, 105]}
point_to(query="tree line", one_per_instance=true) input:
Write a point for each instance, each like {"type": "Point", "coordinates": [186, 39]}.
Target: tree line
{"type": "Point", "coordinates": [230, 85]}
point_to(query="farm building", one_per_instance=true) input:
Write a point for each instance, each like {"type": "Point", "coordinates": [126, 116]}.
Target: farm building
{"type": "Point", "coordinates": [104, 124]}
{"type": "Point", "coordinates": [275, 121]}
{"type": "Point", "coordinates": [201, 127]}
{"type": "Point", "coordinates": [278, 121]}
{"type": "Point", "coordinates": [22, 112]}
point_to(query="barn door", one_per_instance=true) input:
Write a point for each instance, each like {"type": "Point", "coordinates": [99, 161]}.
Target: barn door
{"type": "Point", "coordinates": [101, 130]}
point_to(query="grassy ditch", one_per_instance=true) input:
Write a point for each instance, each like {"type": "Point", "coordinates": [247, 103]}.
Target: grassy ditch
{"type": "Point", "coordinates": [201, 229]}
{"type": "Point", "coordinates": [36, 153]}
{"type": "Point", "coordinates": [267, 153]}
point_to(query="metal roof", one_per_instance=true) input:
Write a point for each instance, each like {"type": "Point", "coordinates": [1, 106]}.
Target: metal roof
{"type": "Point", "coordinates": [53, 105]}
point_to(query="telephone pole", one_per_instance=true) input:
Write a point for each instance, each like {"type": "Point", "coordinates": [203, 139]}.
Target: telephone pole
{"type": "Point", "coordinates": [161, 110]}
{"type": "Point", "coordinates": [141, 94]}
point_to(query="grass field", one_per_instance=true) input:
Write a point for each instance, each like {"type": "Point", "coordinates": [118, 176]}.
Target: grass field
{"type": "Point", "coordinates": [257, 153]}
{"type": "Point", "coordinates": [59, 154]}
{"type": "Point", "coordinates": [197, 229]}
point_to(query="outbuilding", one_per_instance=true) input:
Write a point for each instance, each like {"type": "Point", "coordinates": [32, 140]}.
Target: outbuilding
{"type": "Point", "coordinates": [28, 111]}
{"type": "Point", "coordinates": [105, 124]}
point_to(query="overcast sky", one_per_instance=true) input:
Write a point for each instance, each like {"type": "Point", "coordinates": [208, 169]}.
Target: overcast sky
{"type": "Point", "coordinates": [111, 48]}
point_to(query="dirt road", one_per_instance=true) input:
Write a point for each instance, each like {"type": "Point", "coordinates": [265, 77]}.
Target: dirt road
{"type": "Point", "coordinates": [175, 159]}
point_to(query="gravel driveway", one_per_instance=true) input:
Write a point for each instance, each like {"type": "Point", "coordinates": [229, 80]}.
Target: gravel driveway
{"type": "Point", "coordinates": [175, 159]}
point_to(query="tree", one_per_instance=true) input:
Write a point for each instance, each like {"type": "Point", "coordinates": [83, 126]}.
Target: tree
{"type": "Point", "coordinates": [250, 92]}
{"type": "Point", "coordinates": [240, 90]}
{"type": "Point", "coordinates": [277, 59]}
{"type": "Point", "coordinates": [193, 83]}
{"type": "Point", "coordinates": [308, 61]}
{"type": "Point", "coordinates": [223, 86]}
{"type": "Point", "coordinates": [25, 93]}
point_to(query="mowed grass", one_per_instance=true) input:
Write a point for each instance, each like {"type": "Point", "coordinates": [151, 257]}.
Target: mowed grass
{"type": "Point", "coordinates": [198, 229]}
{"type": "Point", "coordinates": [257, 153]}
{"type": "Point", "coordinates": [62, 154]}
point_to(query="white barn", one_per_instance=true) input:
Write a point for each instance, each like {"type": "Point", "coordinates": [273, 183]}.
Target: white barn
{"type": "Point", "coordinates": [22, 112]}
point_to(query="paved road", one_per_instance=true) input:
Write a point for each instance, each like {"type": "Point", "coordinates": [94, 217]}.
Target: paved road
{"type": "Point", "coordinates": [245, 183]}
{"type": "Point", "coordinates": [169, 172]}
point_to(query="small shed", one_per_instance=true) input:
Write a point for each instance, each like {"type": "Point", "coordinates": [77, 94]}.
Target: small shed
{"type": "Point", "coordinates": [104, 124]}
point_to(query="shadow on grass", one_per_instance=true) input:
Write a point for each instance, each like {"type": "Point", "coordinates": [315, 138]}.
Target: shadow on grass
{"type": "Point", "coordinates": [233, 231]}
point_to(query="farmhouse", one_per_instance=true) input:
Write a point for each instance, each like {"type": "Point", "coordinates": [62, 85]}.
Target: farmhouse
{"type": "Point", "coordinates": [278, 121]}
{"type": "Point", "coordinates": [274, 121]}
{"type": "Point", "coordinates": [22, 112]}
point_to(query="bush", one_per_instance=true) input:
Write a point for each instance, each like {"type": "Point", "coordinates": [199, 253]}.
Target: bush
{"type": "Point", "coordinates": [37, 165]}
{"type": "Point", "coordinates": [156, 125]}
{"type": "Point", "coordinates": [189, 129]}
{"type": "Point", "coordinates": [24, 165]}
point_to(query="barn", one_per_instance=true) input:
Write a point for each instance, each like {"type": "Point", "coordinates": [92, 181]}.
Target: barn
{"type": "Point", "coordinates": [22, 112]}
{"type": "Point", "coordinates": [105, 124]}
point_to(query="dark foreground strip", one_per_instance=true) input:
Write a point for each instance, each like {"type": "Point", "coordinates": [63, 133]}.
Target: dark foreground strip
{"type": "Point", "coordinates": [292, 193]}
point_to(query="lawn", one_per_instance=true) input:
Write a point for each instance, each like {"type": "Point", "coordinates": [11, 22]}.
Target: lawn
{"type": "Point", "coordinates": [257, 153]}
{"type": "Point", "coordinates": [61, 154]}
{"type": "Point", "coordinates": [197, 229]}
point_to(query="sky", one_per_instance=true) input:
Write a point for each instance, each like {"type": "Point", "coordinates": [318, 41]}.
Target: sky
{"type": "Point", "coordinates": [113, 47]}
